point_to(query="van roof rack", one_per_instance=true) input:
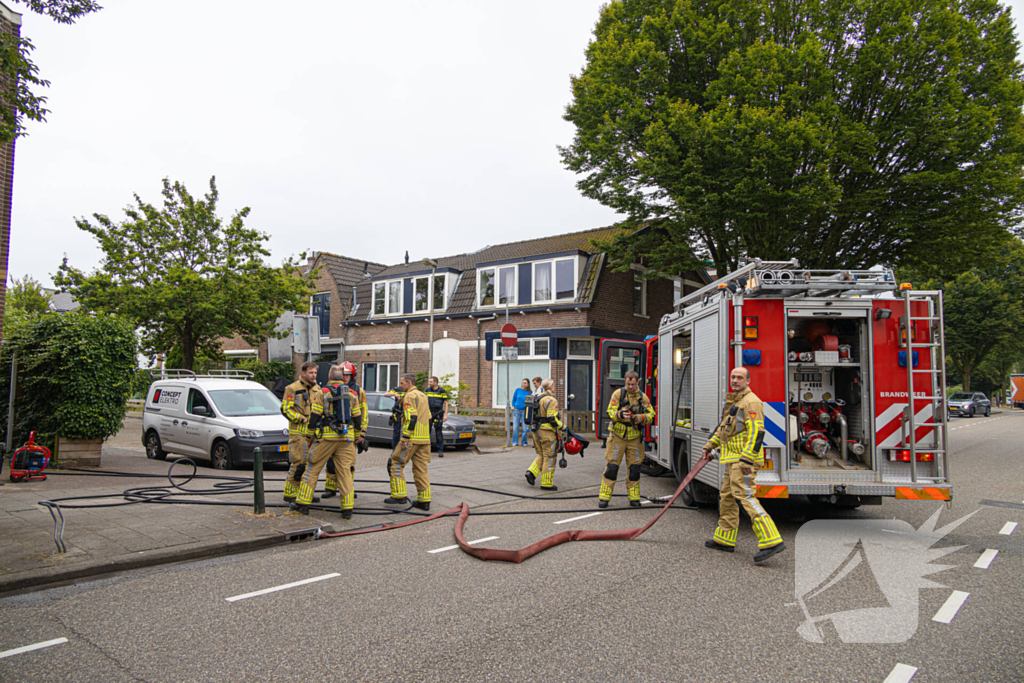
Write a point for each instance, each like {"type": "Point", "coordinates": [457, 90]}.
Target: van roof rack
{"type": "Point", "coordinates": [178, 373]}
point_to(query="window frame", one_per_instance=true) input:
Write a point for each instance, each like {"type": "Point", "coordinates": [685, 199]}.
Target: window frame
{"type": "Point", "coordinates": [496, 283]}
{"type": "Point", "coordinates": [553, 262]}
{"type": "Point", "coordinates": [533, 355]}
{"type": "Point", "coordinates": [377, 367]}
{"type": "Point", "coordinates": [642, 279]}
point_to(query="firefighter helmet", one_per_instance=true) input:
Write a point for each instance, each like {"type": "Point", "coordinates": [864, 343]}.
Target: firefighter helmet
{"type": "Point", "coordinates": [573, 446]}
{"type": "Point", "coordinates": [348, 369]}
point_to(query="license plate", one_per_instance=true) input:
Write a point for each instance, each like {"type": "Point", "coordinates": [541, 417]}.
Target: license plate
{"type": "Point", "coordinates": [282, 449]}
{"type": "Point", "coordinates": [465, 435]}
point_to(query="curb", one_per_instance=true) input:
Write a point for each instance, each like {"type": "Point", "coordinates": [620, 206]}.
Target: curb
{"type": "Point", "coordinates": [38, 580]}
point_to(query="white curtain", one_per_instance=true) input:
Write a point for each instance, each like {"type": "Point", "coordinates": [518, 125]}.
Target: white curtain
{"type": "Point", "coordinates": [542, 287]}
{"type": "Point", "coordinates": [508, 283]}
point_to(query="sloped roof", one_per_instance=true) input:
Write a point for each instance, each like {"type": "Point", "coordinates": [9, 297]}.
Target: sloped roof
{"type": "Point", "coordinates": [512, 250]}
{"type": "Point", "coordinates": [347, 272]}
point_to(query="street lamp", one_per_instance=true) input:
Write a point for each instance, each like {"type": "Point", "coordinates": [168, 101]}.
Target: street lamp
{"type": "Point", "coordinates": [430, 303]}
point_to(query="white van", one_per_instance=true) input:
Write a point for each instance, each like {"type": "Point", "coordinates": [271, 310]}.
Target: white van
{"type": "Point", "coordinates": [221, 416]}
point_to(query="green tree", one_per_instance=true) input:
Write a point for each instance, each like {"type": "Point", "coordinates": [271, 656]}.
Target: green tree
{"type": "Point", "coordinates": [844, 134]}
{"type": "Point", "coordinates": [25, 298]}
{"type": "Point", "coordinates": [17, 67]}
{"type": "Point", "coordinates": [185, 278]}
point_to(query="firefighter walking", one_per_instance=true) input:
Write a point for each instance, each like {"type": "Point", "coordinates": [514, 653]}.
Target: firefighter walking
{"type": "Point", "coordinates": [740, 436]}
{"type": "Point", "coordinates": [300, 398]}
{"type": "Point", "coordinates": [414, 446]}
{"type": "Point", "coordinates": [547, 430]}
{"type": "Point", "coordinates": [629, 410]}
{"type": "Point", "coordinates": [344, 423]}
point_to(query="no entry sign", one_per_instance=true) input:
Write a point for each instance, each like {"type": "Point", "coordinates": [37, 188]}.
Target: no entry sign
{"type": "Point", "coordinates": [509, 334]}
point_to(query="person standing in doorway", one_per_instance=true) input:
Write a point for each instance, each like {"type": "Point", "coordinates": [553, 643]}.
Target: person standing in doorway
{"type": "Point", "coordinates": [519, 413]}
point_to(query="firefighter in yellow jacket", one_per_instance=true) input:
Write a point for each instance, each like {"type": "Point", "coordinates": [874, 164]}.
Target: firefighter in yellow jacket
{"type": "Point", "coordinates": [414, 446]}
{"type": "Point", "coordinates": [300, 399]}
{"type": "Point", "coordinates": [740, 436]}
{"type": "Point", "coordinates": [344, 423]}
{"type": "Point", "coordinates": [629, 410]}
{"type": "Point", "coordinates": [547, 430]}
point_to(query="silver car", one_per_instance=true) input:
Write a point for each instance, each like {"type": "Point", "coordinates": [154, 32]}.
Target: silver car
{"type": "Point", "coordinates": [459, 432]}
{"type": "Point", "coordinates": [969, 404]}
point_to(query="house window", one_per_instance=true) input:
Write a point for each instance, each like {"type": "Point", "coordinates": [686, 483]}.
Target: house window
{"type": "Point", "coordinates": [421, 294]}
{"type": "Point", "coordinates": [526, 348]}
{"type": "Point", "coordinates": [380, 376]}
{"type": "Point", "coordinates": [387, 298]}
{"type": "Point", "coordinates": [439, 281]}
{"type": "Point", "coordinates": [554, 281]}
{"type": "Point", "coordinates": [639, 295]}
{"type": "Point", "coordinates": [320, 306]}
{"type": "Point", "coordinates": [378, 298]}
{"type": "Point", "coordinates": [504, 280]}
{"type": "Point", "coordinates": [394, 297]}
{"type": "Point", "coordinates": [581, 348]}
{"type": "Point", "coordinates": [540, 347]}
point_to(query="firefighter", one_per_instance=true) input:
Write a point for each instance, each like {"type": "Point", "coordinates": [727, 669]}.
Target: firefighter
{"type": "Point", "coordinates": [348, 371]}
{"type": "Point", "coordinates": [740, 435]}
{"type": "Point", "coordinates": [437, 398]}
{"type": "Point", "coordinates": [629, 410]}
{"type": "Point", "coordinates": [415, 446]}
{"type": "Point", "coordinates": [300, 398]}
{"type": "Point", "coordinates": [547, 429]}
{"type": "Point", "coordinates": [344, 424]}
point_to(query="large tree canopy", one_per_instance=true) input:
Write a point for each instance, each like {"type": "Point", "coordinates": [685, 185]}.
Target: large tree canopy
{"type": "Point", "coordinates": [185, 278]}
{"type": "Point", "coordinates": [844, 133]}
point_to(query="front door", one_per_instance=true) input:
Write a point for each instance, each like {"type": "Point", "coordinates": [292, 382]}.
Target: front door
{"type": "Point", "coordinates": [617, 357]}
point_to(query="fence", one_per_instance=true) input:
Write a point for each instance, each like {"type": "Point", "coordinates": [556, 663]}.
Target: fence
{"type": "Point", "coordinates": [491, 421]}
{"type": "Point", "coordinates": [133, 411]}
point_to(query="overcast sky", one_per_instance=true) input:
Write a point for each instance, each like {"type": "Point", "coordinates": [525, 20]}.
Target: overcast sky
{"type": "Point", "coordinates": [361, 128]}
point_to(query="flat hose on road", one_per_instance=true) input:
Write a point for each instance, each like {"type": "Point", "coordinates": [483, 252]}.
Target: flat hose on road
{"type": "Point", "coordinates": [529, 551]}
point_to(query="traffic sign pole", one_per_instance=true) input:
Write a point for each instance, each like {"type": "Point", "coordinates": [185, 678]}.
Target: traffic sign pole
{"type": "Point", "coordinates": [509, 337]}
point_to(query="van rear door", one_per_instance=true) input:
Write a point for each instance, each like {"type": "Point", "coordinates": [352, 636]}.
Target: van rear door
{"type": "Point", "coordinates": [616, 358]}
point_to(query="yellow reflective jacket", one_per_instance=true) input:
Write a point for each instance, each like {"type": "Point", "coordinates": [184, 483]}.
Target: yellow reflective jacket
{"type": "Point", "coordinates": [638, 404]}
{"type": "Point", "coordinates": [300, 400]}
{"type": "Point", "coordinates": [548, 408]}
{"type": "Point", "coordinates": [415, 404]}
{"type": "Point", "coordinates": [740, 435]}
{"type": "Point", "coordinates": [359, 414]}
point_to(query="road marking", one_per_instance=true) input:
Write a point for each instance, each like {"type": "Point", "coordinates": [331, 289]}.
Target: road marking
{"type": "Point", "coordinates": [951, 607]}
{"type": "Point", "coordinates": [30, 648]}
{"type": "Point", "coordinates": [1008, 528]}
{"type": "Point", "coordinates": [901, 673]}
{"type": "Point", "coordinates": [281, 588]}
{"type": "Point", "coordinates": [453, 547]}
{"type": "Point", "coordinates": [576, 519]}
{"type": "Point", "coordinates": [986, 558]}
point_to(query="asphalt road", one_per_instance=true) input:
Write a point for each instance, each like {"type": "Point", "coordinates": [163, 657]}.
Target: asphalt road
{"type": "Point", "coordinates": [662, 608]}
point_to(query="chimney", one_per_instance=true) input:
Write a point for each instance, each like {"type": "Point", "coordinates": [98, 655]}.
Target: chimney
{"type": "Point", "coordinates": [366, 268]}
{"type": "Point", "coordinates": [407, 258]}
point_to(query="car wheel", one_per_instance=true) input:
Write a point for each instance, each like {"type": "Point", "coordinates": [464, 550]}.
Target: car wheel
{"type": "Point", "coordinates": [220, 456]}
{"type": "Point", "coordinates": [153, 450]}
{"type": "Point", "coordinates": [988, 411]}
{"type": "Point", "coordinates": [971, 414]}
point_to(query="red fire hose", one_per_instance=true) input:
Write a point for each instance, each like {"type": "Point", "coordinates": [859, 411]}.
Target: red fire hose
{"type": "Point", "coordinates": [518, 556]}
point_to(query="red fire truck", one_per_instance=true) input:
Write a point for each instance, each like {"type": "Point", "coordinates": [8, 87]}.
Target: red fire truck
{"type": "Point", "coordinates": [834, 356]}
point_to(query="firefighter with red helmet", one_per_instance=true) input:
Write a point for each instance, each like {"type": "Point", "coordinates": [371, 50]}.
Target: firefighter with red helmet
{"type": "Point", "coordinates": [302, 399]}
{"type": "Point", "coordinates": [629, 410]}
{"type": "Point", "coordinates": [344, 424]}
{"type": "Point", "coordinates": [740, 436]}
{"type": "Point", "coordinates": [546, 430]}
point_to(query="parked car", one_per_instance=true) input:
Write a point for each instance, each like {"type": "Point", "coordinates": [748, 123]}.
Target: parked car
{"type": "Point", "coordinates": [459, 432]}
{"type": "Point", "coordinates": [217, 417]}
{"type": "Point", "coordinates": [969, 404]}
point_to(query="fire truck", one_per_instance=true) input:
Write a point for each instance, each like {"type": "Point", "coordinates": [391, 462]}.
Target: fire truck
{"type": "Point", "coordinates": [849, 365]}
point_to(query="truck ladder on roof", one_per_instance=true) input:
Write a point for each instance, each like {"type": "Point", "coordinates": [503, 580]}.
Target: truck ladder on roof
{"type": "Point", "coordinates": [936, 346]}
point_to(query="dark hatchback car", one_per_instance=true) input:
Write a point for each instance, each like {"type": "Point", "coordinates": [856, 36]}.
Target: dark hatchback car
{"type": "Point", "coordinates": [969, 404]}
{"type": "Point", "coordinates": [459, 432]}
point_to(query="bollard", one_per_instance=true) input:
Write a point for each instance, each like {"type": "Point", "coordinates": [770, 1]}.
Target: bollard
{"type": "Point", "coordinates": [257, 480]}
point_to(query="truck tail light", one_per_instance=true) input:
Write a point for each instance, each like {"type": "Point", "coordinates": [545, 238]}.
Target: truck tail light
{"type": "Point", "coordinates": [749, 327]}
{"type": "Point", "coordinates": [903, 455]}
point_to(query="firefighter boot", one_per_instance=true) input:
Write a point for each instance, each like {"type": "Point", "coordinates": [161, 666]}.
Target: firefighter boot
{"type": "Point", "coordinates": [724, 540]}
{"type": "Point", "coordinates": [718, 546]}
{"type": "Point", "coordinates": [547, 482]}
{"type": "Point", "coordinates": [422, 499]}
{"type": "Point", "coordinates": [533, 471]}
{"type": "Point", "coordinates": [633, 493]}
{"type": "Point", "coordinates": [399, 495]}
{"type": "Point", "coordinates": [763, 555]}
{"type": "Point", "coordinates": [291, 490]}
{"type": "Point", "coordinates": [330, 488]}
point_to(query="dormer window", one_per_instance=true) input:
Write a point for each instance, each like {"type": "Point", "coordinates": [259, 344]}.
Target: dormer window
{"type": "Point", "coordinates": [500, 281]}
{"type": "Point", "coordinates": [387, 298]}
{"type": "Point", "coordinates": [554, 281]}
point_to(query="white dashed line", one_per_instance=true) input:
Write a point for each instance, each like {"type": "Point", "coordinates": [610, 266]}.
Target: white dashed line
{"type": "Point", "coordinates": [951, 607]}
{"type": "Point", "coordinates": [453, 547]}
{"type": "Point", "coordinates": [576, 519]}
{"type": "Point", "coordinates": [281, 588]}
{"type": "Point", "coordinates": [901, 673]}
{"type": "Point", "coordinates": [1008, 528]}
{"type": "Point", "coordinates": [986, 559]}
{"type": "Point", "coordinates": [30, 648]}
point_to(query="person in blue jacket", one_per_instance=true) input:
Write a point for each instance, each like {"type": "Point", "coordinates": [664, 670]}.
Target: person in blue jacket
{"type": "Point", "coordinates": [519, 413]}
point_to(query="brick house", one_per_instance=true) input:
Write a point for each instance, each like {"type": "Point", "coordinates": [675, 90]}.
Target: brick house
{"type": "Point", "coordinates": [562, 295]}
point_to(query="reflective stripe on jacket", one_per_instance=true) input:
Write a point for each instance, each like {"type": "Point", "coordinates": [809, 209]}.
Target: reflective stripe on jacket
{"type": "Point", "coordinates": [549, 409]}
{"type": "Point", "coordinates": [624, 428]}
{"type": "Point", "coordinates": [358, 408]}
{"type": "Point", "coordinates": [300, 400]}
{"type": "Point", "coordinates": [414, 404]}
{"type": "Point", "coordinates": [740, 436]}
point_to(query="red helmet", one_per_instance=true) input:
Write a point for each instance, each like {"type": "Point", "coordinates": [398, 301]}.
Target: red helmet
{"type": "Point", "coordinates": [573, 446]}
{"type": "Point", "coordinates": [348, 369]}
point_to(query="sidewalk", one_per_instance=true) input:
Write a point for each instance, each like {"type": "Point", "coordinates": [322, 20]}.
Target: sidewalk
{"type": "Point", "coordinates": [102, 540]}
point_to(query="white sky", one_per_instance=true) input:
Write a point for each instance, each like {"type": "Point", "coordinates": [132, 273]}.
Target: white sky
{"type": "Point", "coordinates": [360, 128]}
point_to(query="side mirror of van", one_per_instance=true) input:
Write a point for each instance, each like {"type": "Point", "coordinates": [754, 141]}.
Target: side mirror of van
{"type": "Point", "coordinates": [201, 410]}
